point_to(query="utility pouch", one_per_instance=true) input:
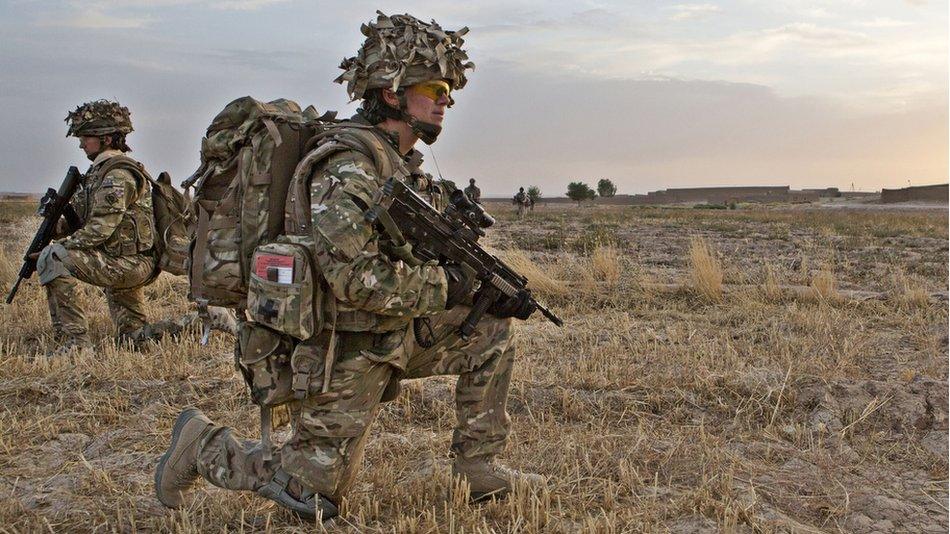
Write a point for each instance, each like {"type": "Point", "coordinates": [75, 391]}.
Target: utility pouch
{"type": "Point", "coordinates": [283, 290]}
{"type": "Point", "coordinates": [264, 360]}
{"type": "Point", "coordinates": [307, 363]}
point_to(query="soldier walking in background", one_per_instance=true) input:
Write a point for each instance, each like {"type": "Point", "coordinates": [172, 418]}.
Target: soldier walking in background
{"type": "Point", "coordinates": [113, 247]}
{"type": "Point", "coordinates": [522, 201]}
{"type": "Point", "coordinates": [404, 74]}
{"type": "Point", "coordinates": [473, 191]}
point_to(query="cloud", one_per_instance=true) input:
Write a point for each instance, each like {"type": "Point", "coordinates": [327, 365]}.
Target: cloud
{"type": "Point", "coordinates": [94, 19]}
{"type": "Point", "coordinates": [694, 11]}
{"type": "Point", "coordinates": [811, 34]}
{"type": "Point", "coordinates": [883, 22]}
{"type": "Point", "coordinates": [245, 5]}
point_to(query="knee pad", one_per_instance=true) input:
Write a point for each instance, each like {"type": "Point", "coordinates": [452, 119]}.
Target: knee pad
{"type": "Point", "coordinates": [51, 263]}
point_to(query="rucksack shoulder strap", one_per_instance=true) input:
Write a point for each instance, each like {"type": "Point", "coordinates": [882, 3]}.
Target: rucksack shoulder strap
{"type": "Point", "coordinates": [365, 139]}
{"type": "Point", "coordinates": [297, 210]}
{"type": "Point", "coordinates": [131, 165]}
{"type": "Point", "coordinates": [360, 138]}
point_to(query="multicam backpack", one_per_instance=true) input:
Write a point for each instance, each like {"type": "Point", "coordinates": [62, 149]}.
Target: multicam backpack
{"type": "Point", "coordinates": [252, 189]}
{"type": "Point", "coordinates": [173, 218]}
{"type": "Point", "coordinates": [248, 157]}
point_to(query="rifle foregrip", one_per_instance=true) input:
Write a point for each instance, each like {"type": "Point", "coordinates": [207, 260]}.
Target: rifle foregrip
{"type": "Point", "coordinates": [479, 307]}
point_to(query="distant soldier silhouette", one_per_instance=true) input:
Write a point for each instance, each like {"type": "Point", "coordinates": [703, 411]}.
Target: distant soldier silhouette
{"type": "Point", "coordinates": [523, 201]}
{"type": "Point", "coordinates": [473, 191]}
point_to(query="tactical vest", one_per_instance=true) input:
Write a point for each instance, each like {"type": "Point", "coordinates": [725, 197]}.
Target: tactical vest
{"type": "Point", "coordinates": [135, 232]}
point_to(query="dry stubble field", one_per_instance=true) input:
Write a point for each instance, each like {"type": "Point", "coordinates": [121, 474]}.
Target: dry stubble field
{"type": "Point", "coordinates": [742, 371]}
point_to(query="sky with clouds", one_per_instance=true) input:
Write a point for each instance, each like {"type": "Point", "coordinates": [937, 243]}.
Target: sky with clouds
{"type": "Point", "coordinates": [648, 94]}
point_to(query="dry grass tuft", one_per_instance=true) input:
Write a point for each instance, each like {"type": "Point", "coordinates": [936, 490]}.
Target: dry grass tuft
{"type": "Point", "coordinates": [823, 286]}
{"type": "Point", "coordinates": [705, 270]}
{"type": "Point", "coordinates": [605, 264]}
{"type": "Point", "coordinates": [907, 290]}
{"type": "Point", "coordinates": [771, 289]}
{"type": "Point", "coordinates": [8, 271]}
{"type": "Point", "coordinates": [541, 281]}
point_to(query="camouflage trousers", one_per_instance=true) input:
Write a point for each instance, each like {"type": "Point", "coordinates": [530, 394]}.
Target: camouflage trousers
{"type": "Point", "coordinates": [329, 430]}
{"type": "Point", "coordinates": [121, 279]}
{"type": "Point", "coordinates": [522, 210]}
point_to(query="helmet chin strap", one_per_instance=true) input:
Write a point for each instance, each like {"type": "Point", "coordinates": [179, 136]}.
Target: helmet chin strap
{"type": "Point", "coordinates": [425, 131]}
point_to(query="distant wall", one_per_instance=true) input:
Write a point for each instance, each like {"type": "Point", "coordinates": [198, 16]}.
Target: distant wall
{"type": "Point", "coordinates": [804, 196]}
{"type": "Point", "coordinates": [924, 193]}
{"type": "Point", "coordinates": [827, 192]}
{"type": "Point", "coordinates": [718, 195]}
{"type": "Point", "coordinates": [711, 195]}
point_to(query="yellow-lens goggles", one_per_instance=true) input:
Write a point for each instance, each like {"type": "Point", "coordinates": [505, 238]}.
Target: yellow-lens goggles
{"type": "Point", "coordinates": [433, 90]}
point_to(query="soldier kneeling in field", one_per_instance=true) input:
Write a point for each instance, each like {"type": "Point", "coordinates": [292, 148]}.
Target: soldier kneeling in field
{"type": "Point", "coordinates": [113, 247]}
{"type": "Point", "coordinates": [404, 74]}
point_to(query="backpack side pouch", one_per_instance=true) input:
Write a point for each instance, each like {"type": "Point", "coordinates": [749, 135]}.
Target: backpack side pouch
{"type": "Point", "coordinates": [284, 292]}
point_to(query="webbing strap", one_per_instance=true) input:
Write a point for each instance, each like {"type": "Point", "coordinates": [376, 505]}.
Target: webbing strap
{"type": "Point", "coordinates": [330, 358]}
{"type": "Point", "coordinates": [219, 223]}
{"type": "Point", "coordinates": [197, 258]}
{"type": "Point", "coordinates": [265, 434]}
{"type": "Point", "coordinates": [272, 130]}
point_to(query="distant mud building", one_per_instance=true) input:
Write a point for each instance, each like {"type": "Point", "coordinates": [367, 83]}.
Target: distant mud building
{"type": "Point", "coordinates": [923, 193]}
{"type": "Point", "coordinates": [716, 195]}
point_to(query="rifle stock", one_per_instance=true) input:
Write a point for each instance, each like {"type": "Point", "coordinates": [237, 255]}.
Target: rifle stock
{"type": "Point", "coordinates": [53, 205]}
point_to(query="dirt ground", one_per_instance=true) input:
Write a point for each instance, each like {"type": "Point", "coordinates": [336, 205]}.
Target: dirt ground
{"type": "Point", "coordinates": [764, 369]}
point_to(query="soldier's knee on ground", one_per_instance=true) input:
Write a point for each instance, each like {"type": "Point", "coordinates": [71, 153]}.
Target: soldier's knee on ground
{"type": "Point", "coordinates": [320, 464]}
{"type": "Point", "coordinates": [51, 264]}
{"type": "Point", "coordinates": [326, 449]}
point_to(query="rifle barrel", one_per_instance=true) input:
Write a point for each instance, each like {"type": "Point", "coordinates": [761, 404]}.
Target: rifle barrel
{"type": "Point", "coordinates": [14, 289]}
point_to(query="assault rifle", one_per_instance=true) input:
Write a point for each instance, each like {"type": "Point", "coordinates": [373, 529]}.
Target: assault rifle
{"type": "Point", "coordinates": [53, 205]}
{"type": "Point", "coordinates": [422, 234]}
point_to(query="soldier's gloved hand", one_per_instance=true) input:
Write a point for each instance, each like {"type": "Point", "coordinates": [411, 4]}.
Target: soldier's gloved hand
{"type": "Point", "coordinates": [519, 306]}
{"type": "Point", "coordinates": [460, 286]}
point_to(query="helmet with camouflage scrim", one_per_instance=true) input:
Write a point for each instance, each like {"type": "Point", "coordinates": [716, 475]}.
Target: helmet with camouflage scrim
{"type": "Point", "coordinates": [400, 51]}
{"type": "Point", "coordinates": [99, 117]}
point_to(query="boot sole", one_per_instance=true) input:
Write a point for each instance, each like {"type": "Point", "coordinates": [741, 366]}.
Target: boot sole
{"type": "Point", "coordinates": [183, 418]}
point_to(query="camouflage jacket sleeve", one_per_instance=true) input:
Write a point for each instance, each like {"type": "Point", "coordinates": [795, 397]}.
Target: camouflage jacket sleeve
{"type": "Point", "coordinates": [109, 202]}
{"type": "Point", "coordinates": [360, 275]}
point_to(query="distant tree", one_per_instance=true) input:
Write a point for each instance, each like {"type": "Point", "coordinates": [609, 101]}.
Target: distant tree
{"type": "Point", "coordinates": [534, 193]}
{"type": "Point", "coordinates": [579, 191]}
{"type": "Point", "coordinates": [606, 188]}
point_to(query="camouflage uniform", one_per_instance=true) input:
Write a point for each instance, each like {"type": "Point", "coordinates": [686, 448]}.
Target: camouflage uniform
{"type": "Point", "coordinates": [376, 297]}
{"type": "Point", "coordinates": [113, 247]}
{"type": "Point", "coordinates": [523, 201]}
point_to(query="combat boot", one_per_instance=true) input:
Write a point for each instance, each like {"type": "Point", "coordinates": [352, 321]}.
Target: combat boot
{"type": "Point", "coordinates": [488, 479]}
{"type": "Point", "coordinates": [306, 504]}
{"type": "Point", "coordinates": [177, 470]}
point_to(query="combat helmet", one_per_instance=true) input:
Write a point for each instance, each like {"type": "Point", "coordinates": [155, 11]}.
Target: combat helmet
{"type": "Point", "coordinates": [400, 51]}
{"type": "Point", "coordinates": [99, 117]}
